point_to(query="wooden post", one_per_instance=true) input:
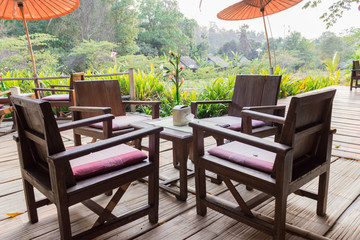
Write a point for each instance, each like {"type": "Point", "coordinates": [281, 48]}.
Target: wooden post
{"type": "Point", "coordinates": [132, 88]}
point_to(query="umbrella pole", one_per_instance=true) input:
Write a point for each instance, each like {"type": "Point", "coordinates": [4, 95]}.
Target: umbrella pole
{"type": "Point", "coordinates": [21, 6]}
{"type": "Point", "coordinates": [271, 70]}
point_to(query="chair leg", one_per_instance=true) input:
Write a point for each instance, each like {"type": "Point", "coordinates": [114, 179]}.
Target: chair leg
{"type": "Point", "coordinates": [77, 139]}
{"type": "Point", "coordinates": [30, 202]}
{"type": "Point", "coordinates": [351, 84]}
{"type": "Point", "coordinates": [138, 143]}
{"type": "Point", "coordinates": [280, 216]}
{"type": "Point", "coordinates": [64, 221]}
{"type": "Point", "coordinates": [218, 179]}
{"type": "Point", "coordinates": [153, 191]}
{"type": "Point", "coordinates": [322, 194]}
{"type": "Point", "coordinates": [200, 184]}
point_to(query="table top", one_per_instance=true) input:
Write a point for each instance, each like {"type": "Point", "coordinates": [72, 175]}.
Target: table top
{"type": "Point", "coordinates": [170, 132]}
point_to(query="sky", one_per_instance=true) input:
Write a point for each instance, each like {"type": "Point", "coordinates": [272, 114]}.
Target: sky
{"type": "Point", "coordinates": [306, 21]}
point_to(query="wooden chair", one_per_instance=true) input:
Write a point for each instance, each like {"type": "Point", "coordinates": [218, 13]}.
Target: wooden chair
{"type": "Point", "coordinates": [61, 100]}
{"type": "Point", "coordinates": [5, 109]}
{"type": "Point", "coordinates": [100, 97]}
{"type": "Point", "coordinates": [275, 168]}
{"type": "Point", "coordinates": [355, 75]}
{"type": "Point", "coordinates": [259, 93]}
{"type": "Point", "coordinates": [67, 177]}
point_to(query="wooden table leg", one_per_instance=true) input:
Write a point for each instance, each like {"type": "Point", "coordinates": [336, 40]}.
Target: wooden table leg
{"type": "Point", "coordinates": [181, 154]}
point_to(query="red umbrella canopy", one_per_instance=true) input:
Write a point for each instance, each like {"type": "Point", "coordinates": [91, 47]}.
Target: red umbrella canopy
{"type": "Point", "coordinates": [248, 9]}
{"type": "Point", "coordinates": [36, 9]}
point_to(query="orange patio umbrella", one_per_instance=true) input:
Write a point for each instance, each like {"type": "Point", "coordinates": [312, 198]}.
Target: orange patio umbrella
{"type": "Point", "coordinates": [29, 10]}
{"type": "Point", "coordinates": [248, 9]}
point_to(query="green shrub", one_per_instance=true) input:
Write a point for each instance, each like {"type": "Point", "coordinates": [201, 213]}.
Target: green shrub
{"type": "Point", "coordinates": [152, 85]}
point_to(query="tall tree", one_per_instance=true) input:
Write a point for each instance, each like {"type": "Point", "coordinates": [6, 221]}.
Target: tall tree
{"type": "Point", "coordinates": [161, 25]}
{"type": "Point", "coordinates": [124, 19]}
{"type": "Point", "coordinates": [329, 44]}
{"type": "Point", "coordinates": [335, 11]}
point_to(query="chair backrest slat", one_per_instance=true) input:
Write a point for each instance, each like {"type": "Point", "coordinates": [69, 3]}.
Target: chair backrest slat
{"type": "Point", "coordinates": [99, 93]}
{"type": "Point", "coordinates": [356, 65]}
{"type": "Point", "coordinates": [307, 128]}
{"type": "Point", "coordinates": [76, 77]}
{"type": "Point", "coordinates": [39, 136]}
{"type": "Point", "coordinates": [254, 90]}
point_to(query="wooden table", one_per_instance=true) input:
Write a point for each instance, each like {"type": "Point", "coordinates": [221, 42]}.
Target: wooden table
{"type": "Point", "coordinates": [181, 138]}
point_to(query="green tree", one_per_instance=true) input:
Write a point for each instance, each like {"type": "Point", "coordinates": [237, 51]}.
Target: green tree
{"type": "Point", "coordinates": [228, 48]}
{"type": "Point", "coordinates": [329, 45]}
{"type": "Point", "coordinates": [161, 25]}
{"type": "Point", "coordinates": [14, 53]}
{"type": "Point", "coordinates": [91, 55]}
{"type": "Point", "coordinates": [335, 11]}
{"type": "Point", "coordinates": [124, 19]}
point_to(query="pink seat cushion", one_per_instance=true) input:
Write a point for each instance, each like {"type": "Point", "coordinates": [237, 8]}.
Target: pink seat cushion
{"type": "Point", "coordinates": [234, 122]}
{"type": "Point", "coordinates": [246, 155]}
{"type": "Point", "coordinates": [106, 160]}
{"type": "Point", "coordinates": [57, 97]}
{"type": "Point", "coordinates": [1, 105]}
{"type": "Point", "coordinates": [121, 122]}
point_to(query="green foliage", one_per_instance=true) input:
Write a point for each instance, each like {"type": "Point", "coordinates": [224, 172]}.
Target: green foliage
{"type": "Point", "coordinates": [174, 72]}
{"type": "Point", "coordinates": [124, 17]}
{"type": "Point", "coordinates": [161, 25]}
{"type": "Point", "coordinates": [332, 66]}
{"type": "Point", "coordinates": [151, 86]}
{"type": "Point", "coordinates": [335, 11]}
{"type": "Point", "coordinates": [91, 55]}
{"type": "Point", "coordinates": [218, 89]}
{"type": "Point", "coordinates": [15, 55]}
{"type": "Point", "coordinates": [291, 84]}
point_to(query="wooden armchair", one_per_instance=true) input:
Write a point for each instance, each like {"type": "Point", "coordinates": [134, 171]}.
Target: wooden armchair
{"type": "Point", "coordinates": [101, 97]}
{"type": "Point", "coordinates": [277, 169]}
{"type": "Point", "coordinates": [355, 75]}
{"type": "Point", "coordinates": [259, 93]}
{"type": "Point", "coordinates": [5, 109]}
{"type": "Point", "coordinates": [66, 99]}
{"type": "Point", "coordinates": [67, 177]}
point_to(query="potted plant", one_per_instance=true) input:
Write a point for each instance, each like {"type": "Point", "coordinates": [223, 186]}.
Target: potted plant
{"type": "Point", "coordinates": [181, 113]}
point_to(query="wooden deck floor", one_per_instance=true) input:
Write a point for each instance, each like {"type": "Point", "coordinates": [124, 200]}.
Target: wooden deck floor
{"type": "Point", "coordinates": [178, 220]}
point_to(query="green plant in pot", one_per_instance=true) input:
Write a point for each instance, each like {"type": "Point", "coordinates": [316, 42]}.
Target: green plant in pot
{"type": "Point", "coordinates": [181, 113]}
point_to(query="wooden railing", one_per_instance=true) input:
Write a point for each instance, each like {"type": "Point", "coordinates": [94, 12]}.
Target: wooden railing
{"type": "Point", "coordinates": [130, 73]}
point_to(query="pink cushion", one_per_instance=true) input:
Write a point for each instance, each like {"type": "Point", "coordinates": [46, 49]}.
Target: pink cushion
{"type": "Point", "coordinates": [2, 105]}
{"type": "Point", "coordinates": [121, 122]}
{"type": "Point", "coordinates": [246, 155]}
{"type": "Point", "coordinates": [106, 160]}
{"type": "Point", "coordinates": [57, 97]}
{"type": "Point", "coordinates": [234, 122]}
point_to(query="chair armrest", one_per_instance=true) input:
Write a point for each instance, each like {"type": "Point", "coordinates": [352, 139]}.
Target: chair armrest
{"type": "Point", "coordinates": [52, 90]}
{"type": "Point", "coordinates": [6, 92]}
{"type": "Point", "coordinates": [247, 116]}
{"type": "Point", "coordinates": [231, 135]}
{"type": "Point", "coordinates": [195, 103]}
{"type": "Point", "coordinates": [85, 122]}
{"type": "Point", "coordinates": [100, 110]}
{"type": "Point", "coordinates": [143, 102]}
{"type": "Point", "coordinates": [107, 143]}
{"type": "Point", "coordinates": [154, 104]}
{"type": "Point", "coordinates": [54, 86]}
{"type": "Point", "coordinates": [268, 107]}
{"type": "Point", "coordinates": [262, 116]}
